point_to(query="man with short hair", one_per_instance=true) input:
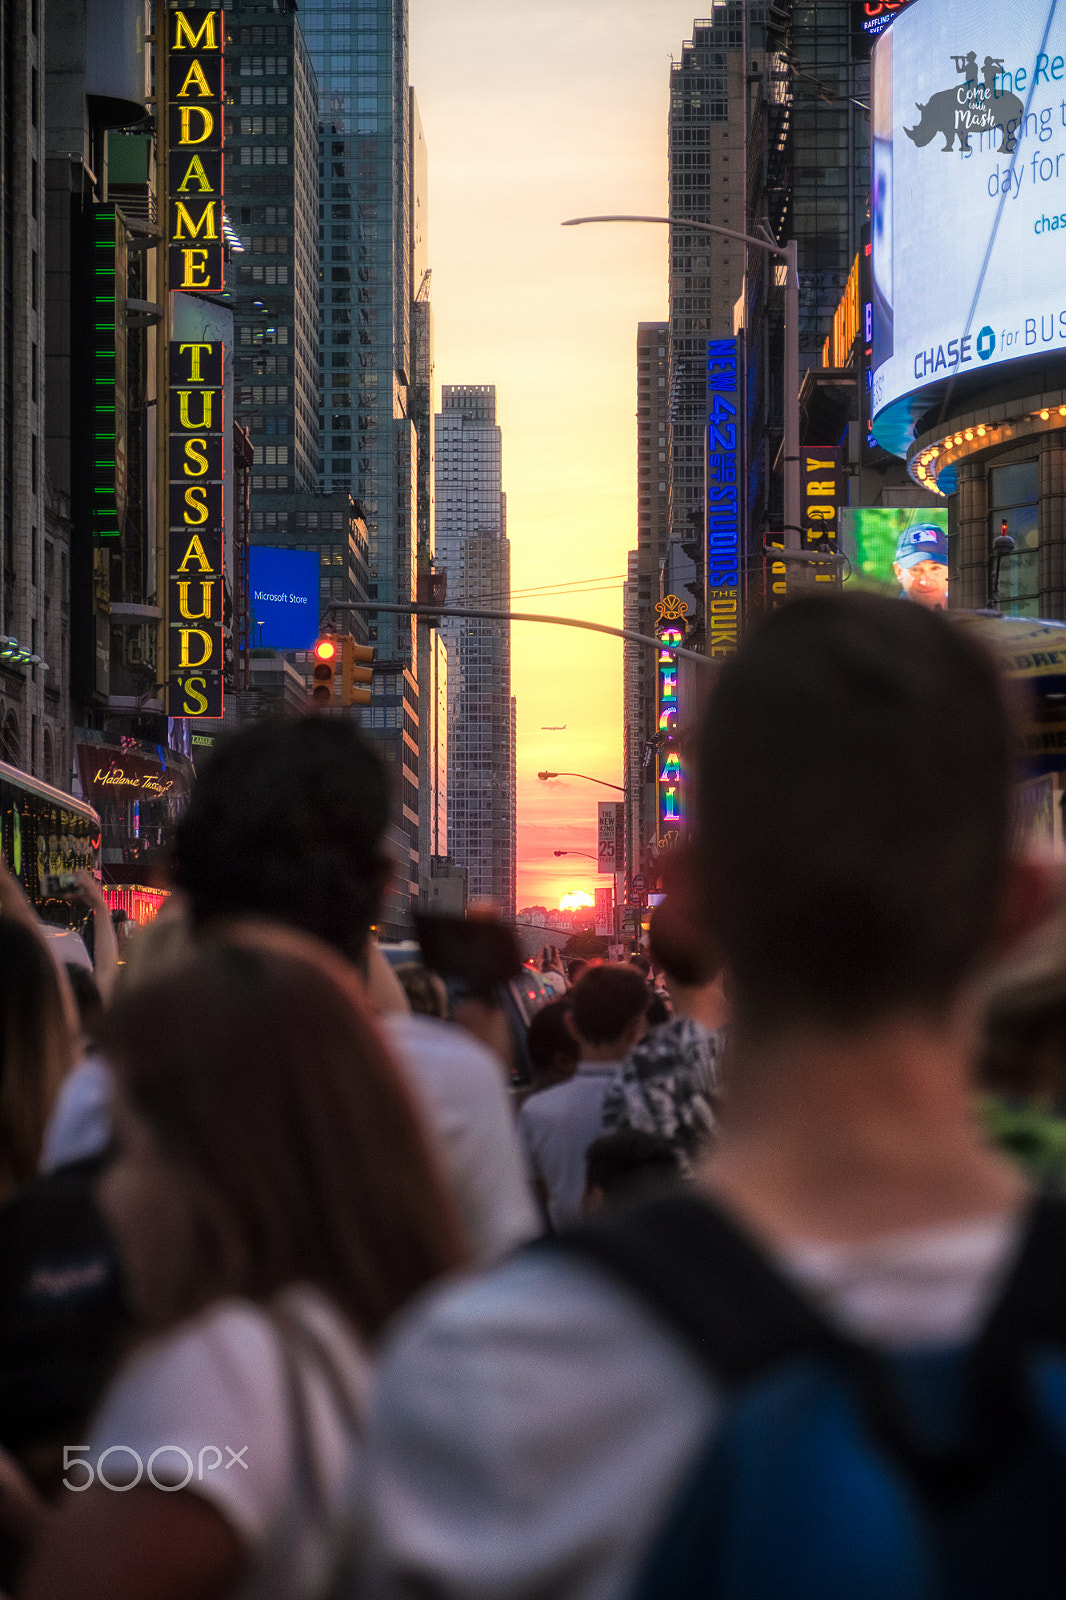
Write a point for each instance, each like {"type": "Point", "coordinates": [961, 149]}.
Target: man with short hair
{"type": "Point", "coordinates": [849, 1155]}
{"type": "Point", "coordinates": [921, 565]}
{"type": "Point", "coordinates": [620, 1165]}
{"type": "Point", "coordinates": [606, 1016]}
{"type": "Point", "coordinates": [287, 822]}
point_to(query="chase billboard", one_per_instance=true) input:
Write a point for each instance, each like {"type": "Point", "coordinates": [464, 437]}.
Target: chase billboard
{"type": "Point", "coordinates": [969, 198]}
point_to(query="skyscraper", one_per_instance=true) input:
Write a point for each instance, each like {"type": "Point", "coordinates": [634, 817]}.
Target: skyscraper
{"type": "Point", "coordinates": [365, 169]}
{"type": "Point", "coordinates": [707, 142]}
{"type": "Point", "coordinates": [644, 581]}
{"type": "Point", "coordinates": [34, 616]}
{"type": "Point", "coordinates": [272, 196]}
{"type": "Point", "coordinates": [472, 547]}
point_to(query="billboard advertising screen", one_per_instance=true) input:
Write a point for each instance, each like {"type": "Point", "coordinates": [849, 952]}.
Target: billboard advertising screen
{"type": "Point", "coordinates": [872, 17]}
{"type": "Point", "coordinates": [282, 598]}
{"type": "Point", "coordinates": [969, 196]}
{"type": "Point", "coordinates": [904, 549]}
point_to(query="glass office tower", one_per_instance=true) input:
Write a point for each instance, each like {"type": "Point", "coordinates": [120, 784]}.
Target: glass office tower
{"type": "Point", "coordinates": [360, 52]}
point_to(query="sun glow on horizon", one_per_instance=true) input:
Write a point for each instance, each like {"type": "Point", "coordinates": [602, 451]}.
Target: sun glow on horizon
{"type": "Point", "coordinates": [575, 900]}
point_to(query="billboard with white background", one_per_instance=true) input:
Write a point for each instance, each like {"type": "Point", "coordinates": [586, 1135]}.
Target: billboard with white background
{"type": "Point", "coordinates": [969, 193]}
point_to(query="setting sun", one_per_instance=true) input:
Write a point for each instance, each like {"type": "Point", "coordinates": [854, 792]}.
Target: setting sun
{"type": "Point", "coordinates": [575, 900]}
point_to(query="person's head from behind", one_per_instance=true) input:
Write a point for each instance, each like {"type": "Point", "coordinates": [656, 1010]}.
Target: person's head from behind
{"type": "Point", "coordinates": [426, 993]}
{"type": "Point", "coordinates": [273, 1143]}
{"type": "Point", "coordinates": [37, 1025]}
{"type": "Point", "coordinates": [606, 1012]}
{"type": "Point", "coordinates": [854, 785]}
{"type": "Point", "coordinates": [640, 964]}
{"type": "Point", "coordinates": [619, 1165]}
{"type": "Point", "coordinates": [574, 968]}
{"type": "Point", "coordinates": [553, 1050]}
{"type": "Point", "coordinates": [286, 823]}
{"type": "Point", "coordinates": [689, 960]}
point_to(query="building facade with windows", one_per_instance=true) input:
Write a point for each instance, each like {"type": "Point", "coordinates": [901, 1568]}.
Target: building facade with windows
{"type": "Point", "coordinates": [34, 525]}
{"type": "Point", "coordinates": [644, 581]}
{"type": "Point", "coordinates": [366, 176]}
{"type": "Point", "coordinates": [707, 154]}
{"type": "Point", "coordinates": [272, 202]}
{"type": "Point", "coordinates": [472, 546]}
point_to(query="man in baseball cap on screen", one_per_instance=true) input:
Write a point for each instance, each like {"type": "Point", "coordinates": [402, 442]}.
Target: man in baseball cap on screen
{"type": "Point", "coordinates": [921, 565]}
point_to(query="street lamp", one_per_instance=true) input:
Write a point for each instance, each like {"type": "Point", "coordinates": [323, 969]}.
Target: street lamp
{"type": "Point", "coordinates": [789, 253]}
{"type": "Point", "coordinates": [544, 776]}
{"type": "Point", "coordinates": [588, 853]}
{"type": "Point", "coordinates": [1002, 547]}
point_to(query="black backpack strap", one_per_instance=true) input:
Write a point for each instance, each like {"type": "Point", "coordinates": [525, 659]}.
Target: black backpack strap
{"type": "Point", "coordinates": [700, 1273]}
{"type": "Point", "coordinates": [727, 1303]}
{"type": "Point", "coordinates": [1032, 1303]}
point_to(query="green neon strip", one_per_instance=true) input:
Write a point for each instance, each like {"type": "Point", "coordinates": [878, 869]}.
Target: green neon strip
{"type": "Point", "coordinates": [103, 435]}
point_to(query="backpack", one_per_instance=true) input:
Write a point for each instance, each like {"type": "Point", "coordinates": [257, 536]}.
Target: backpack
{"type": "Point", "coordinates": [838, 1472]}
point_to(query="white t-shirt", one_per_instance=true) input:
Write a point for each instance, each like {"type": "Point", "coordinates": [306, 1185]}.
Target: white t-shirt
{"type": "Point", "coordinates": [461, 1086]}
{"type": "Point", "coordinates": [80, 1124]}
{"type": "Point", "coordinates": [209, 1407]}
{"type": "Point", "coordinates": [557, 1126]}
{"type": "Point", "coordinates": [531, 1426]}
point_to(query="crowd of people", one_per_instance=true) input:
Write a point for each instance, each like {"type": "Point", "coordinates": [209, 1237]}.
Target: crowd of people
{"type": "Point", "coordinates": [755, 1288]}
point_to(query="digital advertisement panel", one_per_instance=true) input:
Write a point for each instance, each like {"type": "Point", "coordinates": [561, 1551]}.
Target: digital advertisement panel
{"type": "Point", "coordinates": [904, 549]}
{"type": "Point", "coordinates": [969, 194]}
{"type": "Point", "coordinates": [872, 17]}
{"type": "Point", "coordinates": [282, 598]}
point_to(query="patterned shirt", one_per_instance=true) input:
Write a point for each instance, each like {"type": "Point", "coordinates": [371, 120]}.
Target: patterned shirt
{"type": "Point", "coordinates": [668, 1084]}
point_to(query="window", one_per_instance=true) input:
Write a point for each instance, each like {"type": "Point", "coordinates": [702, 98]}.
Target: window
{"type": "Point", "coordinates": [1013, 492]}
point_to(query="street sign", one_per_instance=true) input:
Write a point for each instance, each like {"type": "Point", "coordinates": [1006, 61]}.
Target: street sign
{"type": "Point", "coordinates": [604, 912]}
{"type": "Point", "coordinates": [606, 836]}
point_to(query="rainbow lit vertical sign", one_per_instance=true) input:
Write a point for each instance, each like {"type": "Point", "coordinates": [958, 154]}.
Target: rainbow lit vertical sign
{"type": "Point", "coordinates": [670, 629]}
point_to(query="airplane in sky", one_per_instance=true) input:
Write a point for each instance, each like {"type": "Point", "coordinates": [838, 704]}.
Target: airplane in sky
{"type": "Point", "coordinates": [546, 727]}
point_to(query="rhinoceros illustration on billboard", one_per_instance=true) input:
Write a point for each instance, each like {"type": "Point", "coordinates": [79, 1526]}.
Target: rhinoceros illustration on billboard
{"type": "Point", "coordinates": [971, 107]}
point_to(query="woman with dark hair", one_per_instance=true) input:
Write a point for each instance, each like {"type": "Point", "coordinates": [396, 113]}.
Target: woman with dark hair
{"type": "Point", "coordinates": [36, 1049]}
{"type": "Point", "coordinates": [274, 1202]}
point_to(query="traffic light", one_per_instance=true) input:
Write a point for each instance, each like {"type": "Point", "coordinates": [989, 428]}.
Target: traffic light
{"type": "Point", "coordinates": [355, 679]}
{"type": "Point", "coordinates": [324, 672]}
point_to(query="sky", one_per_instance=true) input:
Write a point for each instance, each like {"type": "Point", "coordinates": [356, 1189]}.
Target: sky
{"type": "Point", "coordinates": [534, 112]}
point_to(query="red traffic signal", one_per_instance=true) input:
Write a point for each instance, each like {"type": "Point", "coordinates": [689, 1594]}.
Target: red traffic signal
{"type": "Point", "coordinates": [324, 672]}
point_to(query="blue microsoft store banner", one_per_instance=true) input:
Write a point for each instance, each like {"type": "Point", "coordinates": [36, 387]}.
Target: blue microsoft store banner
{"type": "Point", "coordinates": [282, 598]}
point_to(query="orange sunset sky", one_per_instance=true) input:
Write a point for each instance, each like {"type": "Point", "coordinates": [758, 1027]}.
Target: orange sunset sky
{"type": "Point", "coordinates": [534, 112]}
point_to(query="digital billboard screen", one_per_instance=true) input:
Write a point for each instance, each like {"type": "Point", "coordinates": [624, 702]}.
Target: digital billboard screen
{"type": "Point", "coordinates": [282, 598]}
{"type": "Point", "coordinates": [872, 17]}
{"type": "Point", "coordinates": [906, 549]}
{"type": "Point", "coordinates": [969, 196]}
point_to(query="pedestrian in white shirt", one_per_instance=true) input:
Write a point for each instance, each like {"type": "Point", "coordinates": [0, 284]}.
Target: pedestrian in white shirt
{"type": "Point", "coordinates": [275, 1200]}
{"type": "Point", "coordinates": [606, 1017]}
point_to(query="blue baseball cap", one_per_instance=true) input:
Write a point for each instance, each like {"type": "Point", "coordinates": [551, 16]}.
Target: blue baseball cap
{"type": "Point", "coordinates": [923, 542]}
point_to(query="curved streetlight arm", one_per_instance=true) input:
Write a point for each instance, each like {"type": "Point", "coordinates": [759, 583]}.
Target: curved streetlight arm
{"type": "Point", "coordinates": [788, 253]}
{"type": "Point", "coordinates": [772, 248]}
{"type": "Point", "coordinates": [586, 853]}
{"type": "Point", "coordinates": [544, 776]}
